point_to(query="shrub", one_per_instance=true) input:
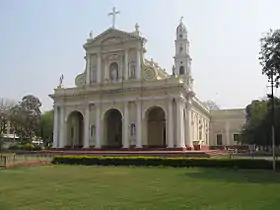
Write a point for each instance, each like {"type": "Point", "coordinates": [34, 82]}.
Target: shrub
{"type": "Point", "coordinates": [28, 146]}
{"type": "Point", "coordinates": [159, 161]}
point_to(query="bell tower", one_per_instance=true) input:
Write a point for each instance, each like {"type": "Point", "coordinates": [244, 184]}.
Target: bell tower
{"type": "Point", "coordinates": [182, 59]}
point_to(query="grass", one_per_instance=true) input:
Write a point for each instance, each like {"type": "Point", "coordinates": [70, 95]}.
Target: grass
{"type": "Point", "coordinates": [111, 188]}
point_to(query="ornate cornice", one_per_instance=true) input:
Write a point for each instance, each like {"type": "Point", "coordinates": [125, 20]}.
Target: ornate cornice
{"type": "Point", "coordinates": [85, 92]}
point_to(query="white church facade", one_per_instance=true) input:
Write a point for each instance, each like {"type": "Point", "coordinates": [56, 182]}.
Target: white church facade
{"type": "Point", "coordinates": [123, 100]}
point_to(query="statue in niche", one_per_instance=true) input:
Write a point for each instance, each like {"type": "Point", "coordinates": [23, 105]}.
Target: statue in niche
{"type": "Point", "coordinates": [132, 71]}
{"type": "Point", "coordinates": [132, 129]}
{"type": "Point", "coordinates": [92, 131]}
{"type": "Point", "coordinates": [114, 71]}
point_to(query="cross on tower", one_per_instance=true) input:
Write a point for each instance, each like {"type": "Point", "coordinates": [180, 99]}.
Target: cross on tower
{"type": "Point", "coordinates": [113, 14]}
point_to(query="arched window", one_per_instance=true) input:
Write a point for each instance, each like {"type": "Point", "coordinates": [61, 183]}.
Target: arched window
{"type": "Point", "coordinates": [181, 48]}
{"type": "Point", "coordinates": [132, 129]}
{"type": "Point", "coordinates": [182, 70]}
{"type": "Point", "coordinates": [114, 71]}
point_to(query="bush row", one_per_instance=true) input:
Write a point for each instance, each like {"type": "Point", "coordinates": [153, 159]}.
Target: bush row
{"type": "Point", "coordinates": [26, 147]}
{"type": "Point", "coordinates": [161, 161]}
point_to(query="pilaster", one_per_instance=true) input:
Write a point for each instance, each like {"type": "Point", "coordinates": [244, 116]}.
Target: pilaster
{"type": "Point", "coordinates": [61, 127]}
{"type": "Point", "coordinates": [97, 127]}
{"type": "Point", "coordinates": [126, 64]}
{"type": "Point", "coordinates": [86, 128]}
{"type": "Point", "coordinates": [170, 124]}
{"type": "Point", "coordinates": [138, 64]}
{"type": "Point", "coordinates": [180, 124]}
{"type": "Point", "coordinates": [88, 69]}
{"type": "Point", "coordinates": [125, 126]}
{"type": "Point", "coordinates": [55, 128]}
{"type": "Point", "coordinates": [138, 125]}
{"type": "Point", "coordinates": [98, 79]}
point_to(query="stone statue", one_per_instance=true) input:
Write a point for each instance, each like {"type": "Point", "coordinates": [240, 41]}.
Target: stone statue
{"type": "Point", "coordinates": [61, 81]}
{"type": "Point", "coordinates": [173, 70]}
{"type": "Point", "coordinates": [114, 74]}
{"type": "Point", "coordinates": [132, 71]}
{"type": "Point", "coordinates": [91, 34]}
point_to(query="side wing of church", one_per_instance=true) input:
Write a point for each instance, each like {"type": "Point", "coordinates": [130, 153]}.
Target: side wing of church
{"type": "Point", "coordinates": [123, 100]}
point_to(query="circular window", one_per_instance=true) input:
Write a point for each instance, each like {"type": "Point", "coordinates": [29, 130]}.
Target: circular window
{"type": "Point", "coordinates": [181, 36]}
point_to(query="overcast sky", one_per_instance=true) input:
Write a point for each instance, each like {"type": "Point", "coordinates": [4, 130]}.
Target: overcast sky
{"type": "Point", "coordinates": [40, 40]}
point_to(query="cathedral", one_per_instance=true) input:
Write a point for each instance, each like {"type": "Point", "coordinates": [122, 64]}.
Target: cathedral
{"type": "Point", "coordinates": [122, 100]}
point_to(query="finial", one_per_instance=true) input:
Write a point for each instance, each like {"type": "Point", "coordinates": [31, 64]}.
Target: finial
{"type": "Point", "coordinates": [137, 27]}
{"type": "Point", "coordinates": [181, 20]}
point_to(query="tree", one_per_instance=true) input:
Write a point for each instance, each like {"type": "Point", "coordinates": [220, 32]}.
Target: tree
{"type": "Point", "coordinates": [211, 105]}
{"type": "Point", "coordinates": [26, 116]}
{"type": "Point", "coordinates": [257, 129]}
{"type": "Point", "coordinates": [5, 112]}
{"type": "Point", "coordinates": [46, 126]}
{"type": "Point", "coordinates": [270, 55]}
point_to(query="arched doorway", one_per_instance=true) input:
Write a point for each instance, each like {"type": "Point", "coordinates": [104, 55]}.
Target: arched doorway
{"type": "Point", "coordinates": [156, 127]}
{"type": "Point", "coordinates": [75, 130]}
{"type": "Point", "coordinates": [113, 128]}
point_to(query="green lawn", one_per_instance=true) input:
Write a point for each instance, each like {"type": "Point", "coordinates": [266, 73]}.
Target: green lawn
{"type": "Point", "coordinates": [81, 187]}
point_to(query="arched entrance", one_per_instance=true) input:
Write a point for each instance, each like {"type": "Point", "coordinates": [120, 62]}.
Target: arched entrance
{"type": "Point", "coordinates": [113, 128]}
{"type": "Point", "coordinates": [156, 127]}
{"type": "Point", "coordinates": [75, 130]}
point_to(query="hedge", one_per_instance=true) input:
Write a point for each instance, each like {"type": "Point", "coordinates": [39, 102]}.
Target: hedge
{"type": "Point", "coordinates": [25, 147]}
{"type": "Point", "coordinates": [165, 161]}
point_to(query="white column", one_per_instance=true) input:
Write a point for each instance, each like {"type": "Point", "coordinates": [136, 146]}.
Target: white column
{"type": "Point", "coordinates": [180, 125]}
{"type": "Point", "coordinates": [170, 124]}
{"type": "Point", "coordinates": [98, 74]}
{"type": "Point", "coordinates": [138, 125]}
{"type": "Point", "coordinates": [227, 140]}
{"type": "Point", "coordinates": [97, 128]}
{"type": "Point", "coordinates": [126, 65]}
{"type": "Point", "coordinates": [55, 128]}
{"type": "Point", "coordinates": [106, 72]}
{"type": "Point", "coordinates": [188, 135]}
{"type": "Point", "coordinates": [61, 128]}
{"type": "Point", "coordinates": [86, 128]}
{"type": "Point", "coordinates": [138, 64]}
{"type": "Point", "coordinates": [88, 69]}
{"type": "Point", "coordinates": [125, 126]}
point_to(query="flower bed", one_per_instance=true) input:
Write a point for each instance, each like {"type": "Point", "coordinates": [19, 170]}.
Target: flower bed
{"type": "Point", "coordinates": [164, 161]}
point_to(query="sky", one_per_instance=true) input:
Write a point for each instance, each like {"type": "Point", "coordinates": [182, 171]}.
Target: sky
{"type": "Point", "coordinates": [40, 40]}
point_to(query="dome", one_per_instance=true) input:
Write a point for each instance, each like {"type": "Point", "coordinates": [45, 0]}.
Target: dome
{"type": "Point", "coordinates": [181, 28]}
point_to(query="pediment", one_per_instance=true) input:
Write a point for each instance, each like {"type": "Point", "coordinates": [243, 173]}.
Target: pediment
{"type": "Point", "coordinates": [112, 36]}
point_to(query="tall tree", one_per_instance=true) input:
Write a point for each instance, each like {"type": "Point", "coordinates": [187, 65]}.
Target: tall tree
{"type": "Point", "coordinates": [46, 126]}
{"type": "Point", "coordinates": [26, 116]}
{"type": "Point", "coordinates": [257, 129]}
{"type": "Point", "coordinates": [5, 111]}
{"type": "Point", "coordinates": [211, 105]}
{"type": "Point", "coordinates": [270, 55]}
